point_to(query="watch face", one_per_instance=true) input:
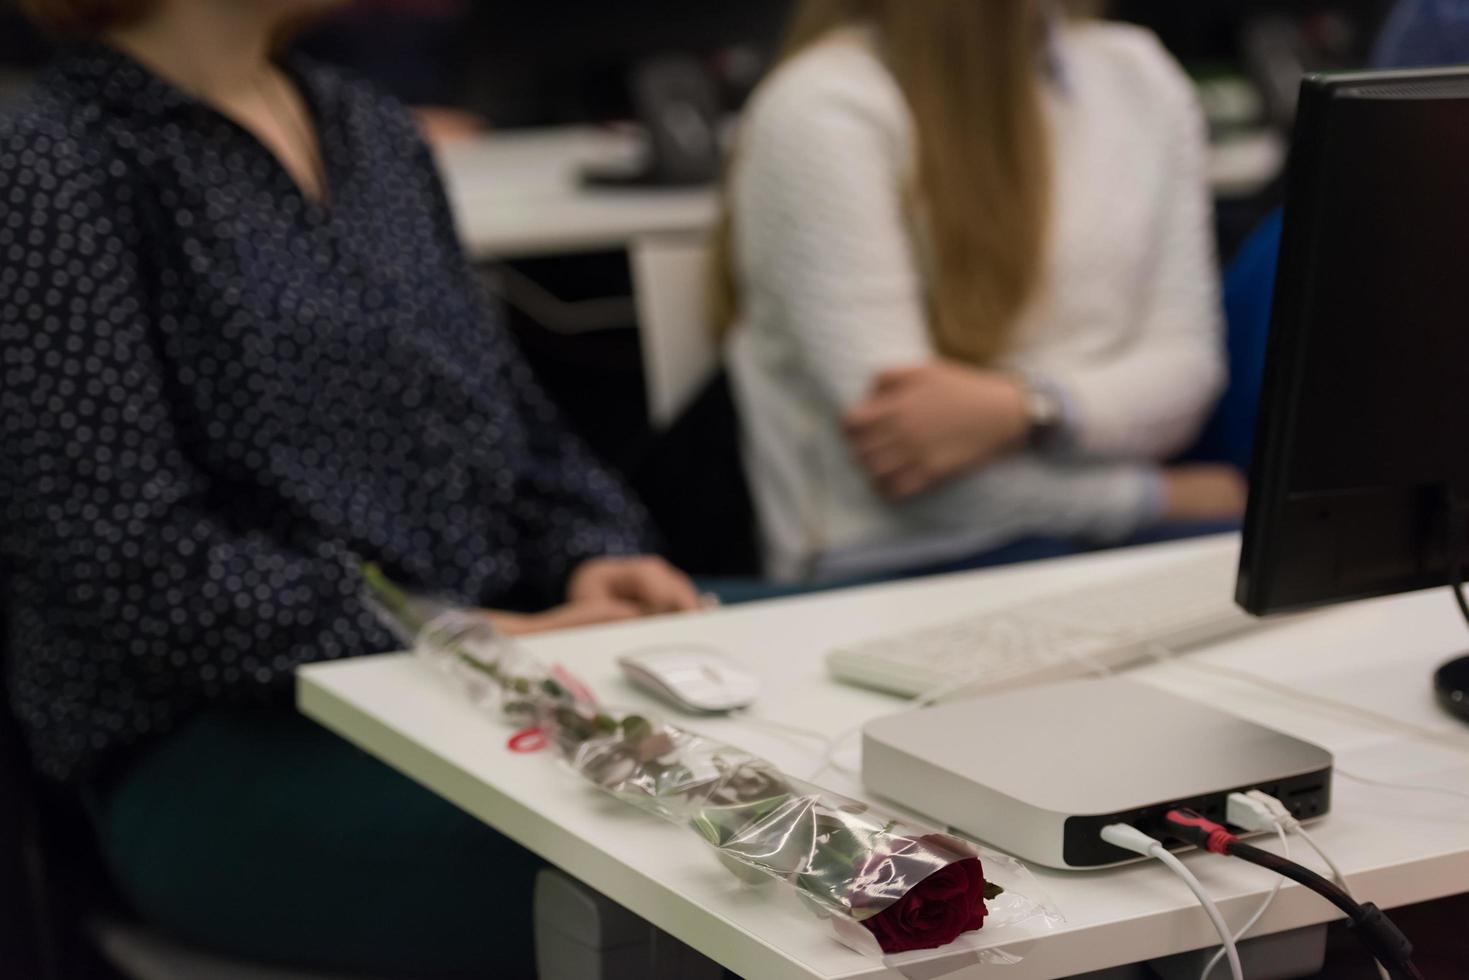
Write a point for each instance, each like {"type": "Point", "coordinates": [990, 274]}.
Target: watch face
{"type": "Point", "coordinates": [1044, 413]}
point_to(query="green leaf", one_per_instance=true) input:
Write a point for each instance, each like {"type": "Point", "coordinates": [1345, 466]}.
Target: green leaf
{"type": "Point", "coordinates": [635, 728]}
{"type": "Point", "coordinates": [392, 598]}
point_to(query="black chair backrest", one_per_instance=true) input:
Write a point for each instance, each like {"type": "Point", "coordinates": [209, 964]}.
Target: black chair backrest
{"type": "Point", "coordinates": [53, 879]}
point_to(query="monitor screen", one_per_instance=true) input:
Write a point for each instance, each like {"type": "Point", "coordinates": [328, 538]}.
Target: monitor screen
{"type": "Point", "coordinates": [1365, 409]}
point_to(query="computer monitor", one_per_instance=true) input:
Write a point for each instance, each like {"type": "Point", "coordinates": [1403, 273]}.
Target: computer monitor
{"type": "Point", "coordinates": [1363, 436]}
{"type": "Point", "coordinates": [1361, 469]}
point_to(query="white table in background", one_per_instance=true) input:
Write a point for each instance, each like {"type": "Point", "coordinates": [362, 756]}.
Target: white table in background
{"type": "Point", "coordinates": [520, 194]}
{"type": "Point", "coordinates": [1399, 848]}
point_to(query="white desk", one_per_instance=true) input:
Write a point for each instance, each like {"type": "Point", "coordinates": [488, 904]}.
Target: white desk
{"type": "Point", "coordinates": [519, 194]}
{"type": "Point", "coordinates": [1398, 847]}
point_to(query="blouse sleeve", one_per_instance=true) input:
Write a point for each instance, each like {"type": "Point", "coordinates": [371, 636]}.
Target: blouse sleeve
{"type": "Point", "coordinates": [820, 225]}
{"type": "Point", "coordinates": [569, 506]}
{"type": "Point", "coordinates": [1152, 396]}
{"type": "Point", "coordinates": [105, 516]}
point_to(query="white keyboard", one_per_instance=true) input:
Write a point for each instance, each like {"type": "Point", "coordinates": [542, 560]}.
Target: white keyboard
{"type": "Point", "coordinates": [1092, 630]}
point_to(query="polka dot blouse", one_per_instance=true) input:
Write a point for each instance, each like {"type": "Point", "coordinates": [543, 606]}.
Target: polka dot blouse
{"type": "Point", "coordinates": [218, 399]}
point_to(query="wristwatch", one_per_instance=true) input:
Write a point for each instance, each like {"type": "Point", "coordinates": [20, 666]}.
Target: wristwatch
{"type": "Point", "coordinates": [1045, 412]}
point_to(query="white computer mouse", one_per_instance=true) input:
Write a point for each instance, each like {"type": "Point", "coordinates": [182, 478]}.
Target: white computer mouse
{"type": "Point", "coordinates": [693, 678]}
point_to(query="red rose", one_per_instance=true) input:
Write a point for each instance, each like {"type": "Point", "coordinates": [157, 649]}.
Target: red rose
{"type": "Point", "coordinates": [935, 912]}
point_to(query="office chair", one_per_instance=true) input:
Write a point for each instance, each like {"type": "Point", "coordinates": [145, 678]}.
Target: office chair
{"type": "Point", "coordinates": [42, 920]}
{"type": "Point", "coordinates": [26, 939]}
{"type": "Point", "coordinates": [64, 922]}
{"type": "Point", "coordinates": [1249, 289]}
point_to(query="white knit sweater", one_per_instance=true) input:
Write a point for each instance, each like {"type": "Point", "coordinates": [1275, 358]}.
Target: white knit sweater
{"type": "Point", "coordinates": [1127, 327]}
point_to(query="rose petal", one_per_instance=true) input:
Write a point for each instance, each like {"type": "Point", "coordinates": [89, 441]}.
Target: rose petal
{"type": "Point", "coordinates": [935, 912]}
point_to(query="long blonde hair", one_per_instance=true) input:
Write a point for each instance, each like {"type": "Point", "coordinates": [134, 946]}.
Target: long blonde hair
{"type": "Point", "coordinates": [980, 193]}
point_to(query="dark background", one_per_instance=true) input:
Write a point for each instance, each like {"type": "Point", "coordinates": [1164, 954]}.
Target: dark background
{"type": "Point", "coordinates": [529, 62]}
{"type": "Point", "coordinates": [517, 63]}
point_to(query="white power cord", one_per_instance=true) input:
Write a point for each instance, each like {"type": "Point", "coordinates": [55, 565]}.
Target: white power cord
{"type": "Point", "coordinates": [831, 745]}
{"type": "Point", "coordinates": [779, 728]}
{"type": "Point", "coordinates": [1452, 742]}
{"type": "Point", "coordinates": [1277, 812]}
{"type": "Point", "coordinates": [1255, 818]}
{"type": "Point", "coordinates": [1402, 787]}
{"type": "Point", "coordinates": [1131, 839]}
{"type": "Point", "coordinates": [829, 757]}
{"type": "Point", "coordinates": [1257, 810]}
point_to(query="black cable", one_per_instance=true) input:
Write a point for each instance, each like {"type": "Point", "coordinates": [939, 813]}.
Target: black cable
{"type": "Point", "coordinates": [1456, 546]}
{"type": "Point", "coordinates": [1324, 887]}
{"type": "Point", "coordinates": [1383, 939]}
{"type": "Point", "coordinates": [1391, 948]}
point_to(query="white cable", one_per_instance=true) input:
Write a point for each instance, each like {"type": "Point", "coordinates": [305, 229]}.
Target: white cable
{"type": "Point", "coordinates": [1336, 872]}
{"type": "Point", "coordinates": [829, 744]}
{"type": "Point", "coordinates": [936, 694]}
{"type": "Point", "coordinates": [1131, 839]}
{"type": "Point", "coordinates": [779, 727]}
{"type": "Point", "coordinates": [1253, 920]}
{"type": "Point", "coordinates": [1455, 743]}
{"type": "Point", "coordinates": [1281, 814]}
{"type": "Point", "coordinates": [1403, 787]}
{"type": "Point", "coordinates": [927, 699]}
{"type": "Point", "coordinates": [1247, 809]}
{"type": "Point", "coordinates": [1339, 875]}
{"type": "Point", "coordinates": [829, 757]}
{"type": "Point", "coordinates": [770, 725]}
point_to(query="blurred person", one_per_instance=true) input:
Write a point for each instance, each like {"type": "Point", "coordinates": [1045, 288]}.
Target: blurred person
{"type": "Point", "coordinates": [412, 48]}
{"type": "Point", "coordinates": [1417, 33]}
{"type": "Point", "coordinates": [242, 355]}
{"type": "Point", "coordinates": [1421, 33]}
{"type": "Point", "coordinates": [970, 288]}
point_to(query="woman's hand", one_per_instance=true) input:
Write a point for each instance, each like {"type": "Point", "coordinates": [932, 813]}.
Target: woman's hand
{"type": "Point", "coordinates": [588, 612]}
{"type": "Point", "coordinates": [1203, 492]}
{"type": "Point", "coordinates": [647, 583]}
{"type": "Point", "coordinates": [608, 590]}
{"type": "Point", "coordinates": [925, 424]}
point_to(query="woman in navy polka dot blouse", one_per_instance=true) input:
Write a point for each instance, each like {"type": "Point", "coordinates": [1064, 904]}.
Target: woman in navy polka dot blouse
{"type": "Point", "coordinates": [242, 354]}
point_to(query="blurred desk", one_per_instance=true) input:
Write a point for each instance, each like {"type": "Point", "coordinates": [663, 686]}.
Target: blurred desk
{"type": "Point", "coordinates": [1244, 164]}
{"type": "Point", "coordinates": [519, 194]}
{"type": "Point", "coordinates": [1398, 847]}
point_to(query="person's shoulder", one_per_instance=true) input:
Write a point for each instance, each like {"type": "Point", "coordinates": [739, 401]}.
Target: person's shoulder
{"type": "Point", "coordinates": [357, 99]}
{"type": "Point", "coordinates": [51, 140]}
{"type": "Point", "coordinates": [838, 77]}
{"type": "Point", "coordinates": [42, 109]}
{"type": "Point", "coordinates": [1135, 56]}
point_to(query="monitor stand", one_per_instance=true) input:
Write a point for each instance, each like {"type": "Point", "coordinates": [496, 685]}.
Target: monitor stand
{"type": "Point", "coordinates": [1451, 684]}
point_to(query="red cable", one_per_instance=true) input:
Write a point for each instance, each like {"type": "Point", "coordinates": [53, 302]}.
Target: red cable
{"type": "Point", "coordinates": [1217, 839]}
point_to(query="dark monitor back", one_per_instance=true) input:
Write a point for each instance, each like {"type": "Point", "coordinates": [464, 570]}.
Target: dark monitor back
{"type": "Point", "coordinates": [1364, 427]}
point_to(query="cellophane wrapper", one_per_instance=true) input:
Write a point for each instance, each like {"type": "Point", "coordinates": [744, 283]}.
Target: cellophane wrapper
{"type": "Point", "coordinates": [846, 860]}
